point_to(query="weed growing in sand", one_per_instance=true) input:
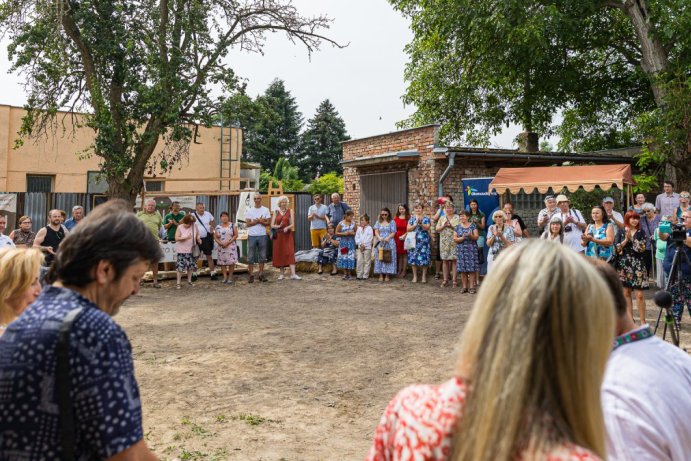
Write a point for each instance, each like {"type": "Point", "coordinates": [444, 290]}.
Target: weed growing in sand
{"type": "Point", "coordinates": [196, 429]}
{"type": "Point", "coordinates": [254, 420]}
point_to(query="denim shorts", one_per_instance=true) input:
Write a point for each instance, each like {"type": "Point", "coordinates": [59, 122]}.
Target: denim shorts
{"type": "Point", "coordinates": [256, 249]}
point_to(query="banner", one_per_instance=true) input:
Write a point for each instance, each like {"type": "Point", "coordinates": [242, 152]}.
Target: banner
{"type": "Point", "coordinates": [8, 208]}
{"type": "Point", "coordinates": [476, 188]}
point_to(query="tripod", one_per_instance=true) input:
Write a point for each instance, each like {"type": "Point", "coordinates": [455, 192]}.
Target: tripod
{"type": "Point", "coordinates": [664, 299]}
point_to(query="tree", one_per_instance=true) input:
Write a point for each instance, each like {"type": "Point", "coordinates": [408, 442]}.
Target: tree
{"type": "Point", "coordinates": [274, 131]}
{"type": "Point", "coordinates": [327, 184]}
{"type": "Point", "coordinates": [546, 146]}
{"type": "Point", "coordinates": [285, 172]}
{"type": "Point", "coordinates": [320, 144]}
{"type": "Point", "coordinates": [140, 70]}
{"type": "Point", "coordinates": [618, 69]}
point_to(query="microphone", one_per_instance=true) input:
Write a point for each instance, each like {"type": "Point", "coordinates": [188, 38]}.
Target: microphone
{"type": "Point", "coordinates": [663, 299]}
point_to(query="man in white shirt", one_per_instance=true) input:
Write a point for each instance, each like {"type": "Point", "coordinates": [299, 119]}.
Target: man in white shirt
{"type": "Point", "coordinates": [316, 215]}
{"type": "Point", "coordinates": [574, 224]}
{"type": "Point", "coordinates": [614, 216]}
{"type": "Point", "coordinates": [205, 228]}
{"type": "Point", "coordinates": [546, 213]}
{"type": "Point", "coordinates": [256, 219]}
{"type": "Point", "coordinates": [5, 241]}
{"type": "Point", "coordinates": [645, 393]}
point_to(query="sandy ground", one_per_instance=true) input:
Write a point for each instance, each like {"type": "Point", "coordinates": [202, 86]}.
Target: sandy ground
{"type": "Point", "coordinates": [286, 370]}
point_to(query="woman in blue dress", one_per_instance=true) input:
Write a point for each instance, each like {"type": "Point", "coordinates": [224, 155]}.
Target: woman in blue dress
{"type": "Point", "coordinates": [598, 237]}
{"type": "Point", "coordinates": [385, 232]}
{"type": "Point", "coordinates": [420, 255]}
{"type": "Point", "coordinates": [346, 247]}
{"type": "Point", "coordinates": [465, 236]}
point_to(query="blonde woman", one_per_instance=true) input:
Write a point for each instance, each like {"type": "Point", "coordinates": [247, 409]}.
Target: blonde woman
{"type": "Point", "coordinates": [283, 222]}
{"type": "Point", "coordinates": [447, 247]}
{"type": "Point", "coordinates": [19, 282]}
{"type": "Point", "coordinates": [499, 236]}
{"type": "Point", "coordinates": [523, 390]}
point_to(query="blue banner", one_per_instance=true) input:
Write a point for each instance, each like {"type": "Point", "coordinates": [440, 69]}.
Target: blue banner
{"type": "Point", "coordinates": [477, 188]}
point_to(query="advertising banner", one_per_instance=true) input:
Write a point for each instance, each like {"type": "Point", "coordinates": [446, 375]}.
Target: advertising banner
{"type": "Point", "coordinates": [477, 188]}
{"type": "Point", "coordinates": [8, 208]}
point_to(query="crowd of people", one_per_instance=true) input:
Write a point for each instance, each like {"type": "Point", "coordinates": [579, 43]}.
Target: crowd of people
{"type": "Point", "coordinates": [552, 359]}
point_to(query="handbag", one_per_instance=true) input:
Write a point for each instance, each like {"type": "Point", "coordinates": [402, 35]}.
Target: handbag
{"type": "Point", "coordinates": [410, 241]}
{"type": "Point", "coordinates": [274, 234]}
{"type": "Point", "coordinates": [384, 255]}
{"type": "Point", "coordinates": [196, 251]}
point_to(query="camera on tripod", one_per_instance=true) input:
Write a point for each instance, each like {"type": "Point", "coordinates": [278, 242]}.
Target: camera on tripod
{"type": "Point", "coordinates": [677, 232]}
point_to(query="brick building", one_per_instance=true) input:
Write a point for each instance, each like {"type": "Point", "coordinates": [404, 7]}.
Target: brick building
{"type": "Point", "coordinates": [409, 165]}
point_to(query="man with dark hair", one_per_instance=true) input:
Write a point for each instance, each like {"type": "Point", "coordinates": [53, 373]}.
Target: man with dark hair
{"type": "Point", "coordinates": [172, 221]}
{"type": "Point", "coordinates": [68, 389]}
{"type": "Point", "coordinates": [645, 393]}
{"type": "Point", "coordinates": [668, 201]}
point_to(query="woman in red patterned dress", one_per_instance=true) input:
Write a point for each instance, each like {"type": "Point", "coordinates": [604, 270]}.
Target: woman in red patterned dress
{"type": "Point", "coordinates": [531, 362]}
{"type": "Point", "coordinates": [401, 219]}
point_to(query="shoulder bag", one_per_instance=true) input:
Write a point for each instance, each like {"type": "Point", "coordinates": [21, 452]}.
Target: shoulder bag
{"type": "Point", "coordinates": [410, 240]}
{"type": "Point", "coordinates": [196, 251]}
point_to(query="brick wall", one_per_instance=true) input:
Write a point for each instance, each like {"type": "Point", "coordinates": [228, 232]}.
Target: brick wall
{"type": "Point", "coordinates": [422, 176]}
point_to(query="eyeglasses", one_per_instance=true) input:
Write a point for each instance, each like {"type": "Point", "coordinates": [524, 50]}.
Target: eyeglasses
{"type": "Point", "coordinates": [25, 222]}
{"type": "Point", "coordinates": [384, 214]}
{"type": "Point", "coordinates": [684, 196]}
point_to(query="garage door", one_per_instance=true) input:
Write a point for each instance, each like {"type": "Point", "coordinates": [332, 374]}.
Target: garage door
{"type": "Point", "coordinates": [382, 190]}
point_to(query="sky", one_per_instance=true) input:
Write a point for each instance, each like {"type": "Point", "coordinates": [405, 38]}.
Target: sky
{"type": "Point", "coordinates": [364, 81]}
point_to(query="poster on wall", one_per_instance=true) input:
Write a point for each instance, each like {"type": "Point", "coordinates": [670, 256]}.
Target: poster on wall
{"type": "Point", "coordinates": [244, 203]}
{"type": "Point", "coordinates": [8, 208]}
{"type": "Point", "coordinates": [478, 189]}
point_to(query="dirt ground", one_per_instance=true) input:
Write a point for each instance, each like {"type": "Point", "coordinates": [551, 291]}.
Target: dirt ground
{"type": "Point", "coordinates": [286, 370]}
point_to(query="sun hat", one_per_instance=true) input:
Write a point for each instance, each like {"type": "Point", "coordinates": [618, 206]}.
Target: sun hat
{"type": "Point", "coordinates": [561, 198]}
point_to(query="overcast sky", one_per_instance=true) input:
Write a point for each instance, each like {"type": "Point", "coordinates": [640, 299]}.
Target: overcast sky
{"type": "Point", "coordinates": [364, 81]}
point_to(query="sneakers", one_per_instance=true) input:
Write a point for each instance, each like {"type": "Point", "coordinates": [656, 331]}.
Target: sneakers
{"type": "Point", "coordinates": [262, 278]}
{"type": "Point", "coordinates": [251, 280]}
{"type": "Point", "coordinates": [281, 277]}
{"type": "Point", "coordinates": [213, 276]}
{"type": "Point", "coordinates": [295, 277]}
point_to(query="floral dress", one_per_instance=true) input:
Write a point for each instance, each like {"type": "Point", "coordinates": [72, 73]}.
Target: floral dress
{"type": "Point", "coordinates": [595, 250]}
{"type": "Point", "coordinates": [447, 247]}
{"type": "Point", "coordinates": [229, 255]}
{"type": "Point", "coordinates": [467, 250]}
{"type": "Point", "coordinates": [420, 255]}
{"type": "Point", "coordinates": [346, 247]}
{"type": "Point", "coordinates": [630, 260]}
{"type": "Point", "coordinates": [419, 424]}
{"type": "Point", "coordinates": [385, 229]}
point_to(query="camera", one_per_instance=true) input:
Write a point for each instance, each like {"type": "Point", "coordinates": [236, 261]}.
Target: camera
{"type": "Point", "coordinates": [677, 232]}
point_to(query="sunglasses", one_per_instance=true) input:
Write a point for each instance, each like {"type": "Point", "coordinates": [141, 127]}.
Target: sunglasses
{"type": "Point", "coordinates": [384, 214]}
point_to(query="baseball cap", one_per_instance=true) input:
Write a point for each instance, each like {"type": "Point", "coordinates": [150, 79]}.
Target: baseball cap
{"type": "Point", "coordinates": [608, 200]}
{"type": "Point", "coordinates": [561, 198]}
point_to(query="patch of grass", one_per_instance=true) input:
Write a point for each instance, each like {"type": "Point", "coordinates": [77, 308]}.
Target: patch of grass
{"type": "Point", "coordinates": [221, 418]}
{"type": "Point", "coordinates": [253, 420]}
{"type": "Point", "coordinates": [192, 455]}
{"type": "Point", "coordinates": [196, 429]}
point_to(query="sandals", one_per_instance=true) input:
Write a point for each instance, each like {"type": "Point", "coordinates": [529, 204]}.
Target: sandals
{"type": "Point", "coordinates": [464, 290]}
{"type": "Point", "coordinates": [472, 291]}
{"type": "Point", "coordinates": [178, 286]}
{"type": "Point", "coordinates": [437, 276]}
{"type": "Point", "coordinates": [454, 284]}
{"type": "Point", "coordinates": [444, 284]}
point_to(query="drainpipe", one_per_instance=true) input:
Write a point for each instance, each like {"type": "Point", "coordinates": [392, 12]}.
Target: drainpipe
{"type": "Point", "coordinates": [447, 172]}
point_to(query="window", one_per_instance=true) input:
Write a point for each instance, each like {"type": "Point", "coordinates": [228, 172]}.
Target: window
{"type": "Point", "coordinates": [153, 186]}
{"type": "Point", "coordinates": [39, 183]}
{"type": "Point", "coordinates": [533, 201]}
{"type": "Point", "coordinates": [96, 183]}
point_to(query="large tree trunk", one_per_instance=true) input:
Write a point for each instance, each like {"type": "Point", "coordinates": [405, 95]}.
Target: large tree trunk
{"type": "Point", "coordinates": [121, 188]}
{"type": "Point", "coordinates": [654, 62]}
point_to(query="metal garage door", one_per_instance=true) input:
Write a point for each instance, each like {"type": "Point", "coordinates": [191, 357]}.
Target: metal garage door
{"type": "Point", "coordinates": [382, 190]}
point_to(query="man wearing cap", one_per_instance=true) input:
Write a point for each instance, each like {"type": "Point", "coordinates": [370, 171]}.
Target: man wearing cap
{"type": "Point", "coordinates": [574, 224]}
{"type": "Point", "coordinates": [614, 216]}
{"type": "Point", "coordinates": [668, 201]}
{"type": "Point", "coordinates": [546, 213]}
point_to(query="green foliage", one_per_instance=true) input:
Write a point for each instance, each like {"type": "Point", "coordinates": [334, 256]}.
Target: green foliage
{"type": "Point", "coordinates": [284, 172]}
{"type": "Point", "coordinates": [585, 201]}
{"type": "Point", "coordinates": [327, 184]}
{"type": "Point", "coordinates": [140, 70]}
{"type": "Point", "coordinates": [546, 146]}
{"type": "Point", "coordinates": [478, 65]}
{"type": "Point", "coordinates": [320, 144]}
{"type": "Point", "coordinates": [272, 126]}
